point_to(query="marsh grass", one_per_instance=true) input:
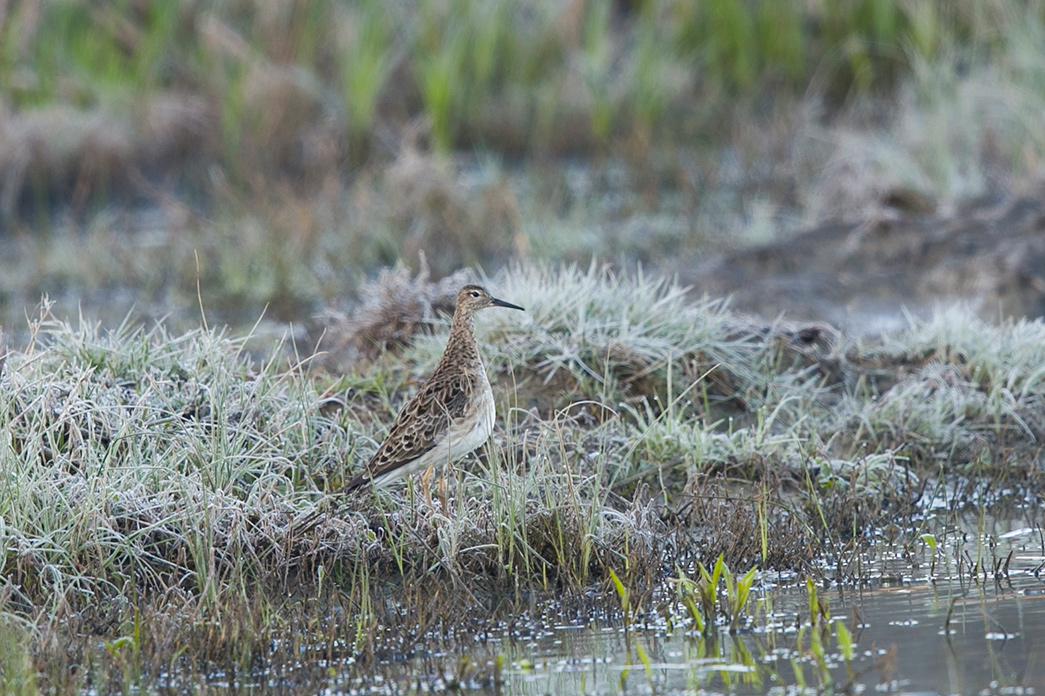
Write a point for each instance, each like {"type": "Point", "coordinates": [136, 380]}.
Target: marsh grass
{"type": "Point", "coordinates": [259, 178]}
{"type": "Point", "coordinates": [715, 594]}
{"type": "Point", "coordinates": [150, 484]}
{"type": "Point", "coordinates": [283, 94]}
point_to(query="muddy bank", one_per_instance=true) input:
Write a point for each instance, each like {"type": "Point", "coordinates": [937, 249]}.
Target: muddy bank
{"type": "Point", "coordinates": [864, 276]}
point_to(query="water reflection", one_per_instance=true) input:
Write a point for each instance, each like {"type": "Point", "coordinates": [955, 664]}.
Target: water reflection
{"type": "Point", "coordinates": [976, 625]}
{"type": "Point", "coordinates": [950, 635]}
{"type": "Point", "coordinates": [995, 644]}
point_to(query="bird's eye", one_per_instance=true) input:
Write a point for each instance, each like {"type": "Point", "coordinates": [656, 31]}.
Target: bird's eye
{"type": "Point", "coordinates": [473, 293]}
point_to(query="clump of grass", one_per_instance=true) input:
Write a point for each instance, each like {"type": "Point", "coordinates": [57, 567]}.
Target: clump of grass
{"type": "Point", "coordinates": [391, 311]}
{"type": "Point", "coordinates": [972, 390]}
{"type": "Point", "coordinates": [652, 346]}
{"type": "Point", "coordinates": [716, 594]}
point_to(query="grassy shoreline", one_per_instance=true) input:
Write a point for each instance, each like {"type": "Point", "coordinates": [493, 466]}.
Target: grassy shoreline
{"type": "Point", "coordinates": [155, 478]}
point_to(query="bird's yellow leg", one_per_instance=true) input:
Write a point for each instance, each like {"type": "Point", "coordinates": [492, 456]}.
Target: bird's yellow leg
{"type": "Point", "coordinates": [426, 479]}
{"type": "Point", "coordinates": [443, 486]}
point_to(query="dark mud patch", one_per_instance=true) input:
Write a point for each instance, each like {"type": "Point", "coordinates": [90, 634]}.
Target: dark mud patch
{"type": "Point", "coordinates": [865, 275]}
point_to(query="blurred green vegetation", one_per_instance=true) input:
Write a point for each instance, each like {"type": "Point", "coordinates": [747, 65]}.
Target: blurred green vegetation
{"type": "Point", "coordinates": [501, 74]}
{"type": "Point", "coordinates": [285, 148]}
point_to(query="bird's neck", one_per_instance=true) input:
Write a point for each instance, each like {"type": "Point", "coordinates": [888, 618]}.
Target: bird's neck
{"type": "Point", "coordinates": [461, 345]}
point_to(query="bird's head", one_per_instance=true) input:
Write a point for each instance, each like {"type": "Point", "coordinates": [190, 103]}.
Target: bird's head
{"type": "Point", "coordinates": [472, 298]}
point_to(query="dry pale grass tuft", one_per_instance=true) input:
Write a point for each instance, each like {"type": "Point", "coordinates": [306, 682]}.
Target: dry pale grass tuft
{"type": "Point", "coordinates": [63, 153]}
{"type": "Point", "coordinates": [433, 206]}
{"type": "Point", "coordinates": [750, 524]}
{"type": "Point", "coordinates": [283, 128]}
{"type": "Point", "coordinates": [392, 309]}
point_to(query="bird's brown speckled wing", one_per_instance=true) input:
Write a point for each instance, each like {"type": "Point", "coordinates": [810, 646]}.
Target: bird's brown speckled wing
{"type": "Point", "coordinates": [419, 426]}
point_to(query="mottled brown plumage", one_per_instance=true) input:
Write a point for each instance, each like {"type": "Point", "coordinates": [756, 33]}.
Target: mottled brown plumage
{"type": "Point", "coordinates": [452, 414]}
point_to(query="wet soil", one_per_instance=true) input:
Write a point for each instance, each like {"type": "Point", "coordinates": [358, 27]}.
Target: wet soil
{"type": "Point", "coordinates": [865, 276]}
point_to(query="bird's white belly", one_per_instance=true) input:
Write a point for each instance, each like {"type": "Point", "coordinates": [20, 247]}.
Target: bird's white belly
{"type": "Point", "coordinates": [472, 435]}
{"type": "Point", "coordinates": [463, 436]}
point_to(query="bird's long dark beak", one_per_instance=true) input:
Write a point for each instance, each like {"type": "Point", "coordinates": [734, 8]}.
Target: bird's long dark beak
{"type": "Point", "coordinates": [501, 303]}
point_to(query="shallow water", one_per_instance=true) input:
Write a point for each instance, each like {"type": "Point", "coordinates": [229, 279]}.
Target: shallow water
{"type": "Point", "coordinates": [996, 644]}
{"type": "Point", "coordinates": [939, 631]}
{"type": "Point", "coordinates": [940, 628]}
{"type": "Point", "coordinates": [933, 632]}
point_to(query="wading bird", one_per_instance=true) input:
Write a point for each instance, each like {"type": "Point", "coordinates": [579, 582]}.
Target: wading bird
{"type": "Point", "coordinates": [451, 415]}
